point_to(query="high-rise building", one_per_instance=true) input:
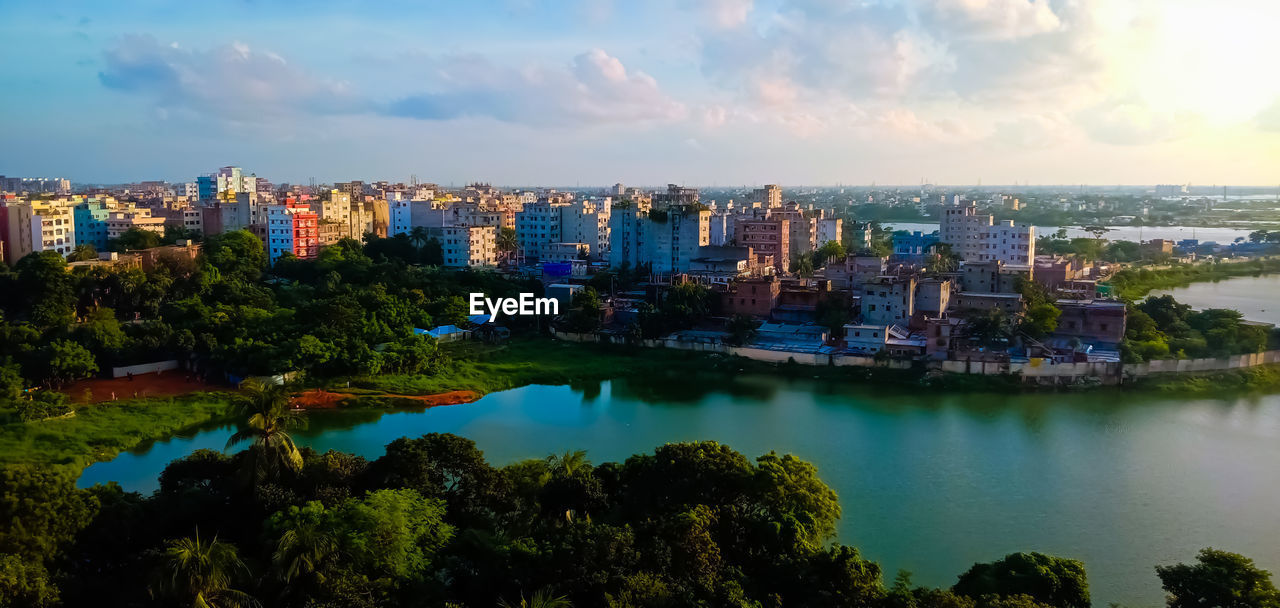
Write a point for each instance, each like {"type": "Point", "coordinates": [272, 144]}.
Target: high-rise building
{"type": "Point", "coordinates": [768, 238]}
{"type": "Point", "coordinates": [830, 229]}
{"type": "Point", "coordinates": [292, 228]}
{"type": "Point", "coordinates": [53, 228]}
{"type": "Point", "coordinates": [770, 196]}
{"type": "Point", "coordinates": [975, 236]}
{"type": "Point", "coordinates": [468, 246]}
{"type": "Point", "coordinates": [15, 231]}
{"type": "Point", "coordinates": [666, 240]}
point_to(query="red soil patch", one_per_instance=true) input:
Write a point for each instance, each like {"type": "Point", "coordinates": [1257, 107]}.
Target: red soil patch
{"type": "Point", "coordinates": [167, 384]}
{"type": "Point", "coordinates": [318, 399]}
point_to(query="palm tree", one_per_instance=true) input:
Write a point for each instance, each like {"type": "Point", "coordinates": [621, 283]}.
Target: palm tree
{"type": "Point", "coordinates": [506, 240]}
{"type": "Point", "coordinates": [568, 464]}
{"type": "Point", "coordinates": [541, 598]}
{"type": "Point", "coordinates": [419, 236]}
{"type": "Point", "coordinates": [302, 548]}
{"type": "Point", "coordinates": [267, 426]}
{"type": "Point", "coordinates": [202, 573]}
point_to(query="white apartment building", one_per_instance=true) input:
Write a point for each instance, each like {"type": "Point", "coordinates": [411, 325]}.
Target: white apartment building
{"type": "Point", "coordinates": [975, 237]}
{"type": "Point", "coordinates": [53, 228]}
{"type": "Point", "coordinates": [829, 229]}
{"type": "Point", "coordinates": [539, 225]}
{"type": "Point", "coordinates": [468, 246]}
{"type": "Point", "coordinates": [667, 240]}
{"type": "Point", "coordinates": [401, 211]}
{"type": "Point", "coordinates": [587, 221]}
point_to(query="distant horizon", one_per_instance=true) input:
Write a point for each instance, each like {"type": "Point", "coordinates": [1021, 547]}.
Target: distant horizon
{"type": "Point", "coordinates": [714, 186]}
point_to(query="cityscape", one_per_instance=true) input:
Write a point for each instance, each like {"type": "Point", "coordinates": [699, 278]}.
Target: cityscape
{"type": "Point", "coordinates": [666, 304]}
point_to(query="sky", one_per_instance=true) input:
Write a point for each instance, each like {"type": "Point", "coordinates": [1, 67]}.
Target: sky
{"type": "Point", "coordinates": [645, 92]}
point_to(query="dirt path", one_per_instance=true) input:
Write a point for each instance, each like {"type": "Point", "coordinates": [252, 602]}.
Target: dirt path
{"type": "Point", "coordinates": [167, 384]}
{"type": "Point", "coordinates": [318, 399]}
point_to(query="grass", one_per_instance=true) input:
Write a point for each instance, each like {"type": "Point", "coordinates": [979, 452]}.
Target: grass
{"type": "Point", "coordinates": [1260, 379]}
{"type": "Point", "coordinates": [102, 431]}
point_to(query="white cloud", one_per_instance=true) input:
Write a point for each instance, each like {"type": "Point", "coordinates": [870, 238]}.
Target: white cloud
{"type": "Point", "coordinates": [997, 19]}
{"type": "Point", "coordinates": [595, 88]}
{"type": "Point", "coordinates": [233, 81]}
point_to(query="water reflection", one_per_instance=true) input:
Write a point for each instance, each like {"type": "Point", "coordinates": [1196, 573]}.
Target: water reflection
{"type": "Point", "coordinates": [929, 480]}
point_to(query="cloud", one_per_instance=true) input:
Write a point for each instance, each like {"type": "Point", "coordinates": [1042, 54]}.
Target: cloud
{"type": "Point", "coordinates": [852, 50]}
{"type": "Point", "coordinates": [232, 81]}
{"type": "Point", "coordinates": [1269, 118]}
{"type": "Point", "coordinates": [996, 19]}
{"type": "Point", "coordinates": [1130, 122]}
{"type": "Point", "coordinates": [724, 14]}
{"type": "Point", "coordinates": [1035, 131]}
{"type": "Point", "coordinates": [595, 88]}
{"type": "Point", "coordinates": [238, 83]}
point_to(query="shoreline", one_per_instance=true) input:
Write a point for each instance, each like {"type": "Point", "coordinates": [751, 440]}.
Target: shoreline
{"type": "Point", "coordinates": [103, 432]}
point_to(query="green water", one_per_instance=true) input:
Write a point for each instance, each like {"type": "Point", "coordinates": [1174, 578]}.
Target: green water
{"type": "Point", "coordinates": [928, 482]}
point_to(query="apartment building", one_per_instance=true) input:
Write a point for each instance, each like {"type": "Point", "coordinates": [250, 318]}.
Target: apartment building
{"type": "Point", "coordinates": [15, 231]}
{"type": "Point", "coordinates": [53, 228]}
{"type": "Point", "coordinates": [829, 229]}
{"type": "Point", "coordinates": [292, 228]}
{"type": "Point", "coordinates": [888, 301]}
{"type": "Point", "coordinates": [468, 246]}
{"type": "Point", "coordinates": [767, 237]}
{"type": "Point", "coordinates": [976, 237]}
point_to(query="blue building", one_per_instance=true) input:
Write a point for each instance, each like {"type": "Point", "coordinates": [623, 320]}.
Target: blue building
{"type": "Point", "coordinates": [912, 247]}
{"type": "Point", "coordinates": [91, 224]}
{"type": "Point", "coordinates": [207, 186]}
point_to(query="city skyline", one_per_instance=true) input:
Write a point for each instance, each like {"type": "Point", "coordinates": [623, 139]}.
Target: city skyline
{"type": "Point", "coordinates": [594, 92]}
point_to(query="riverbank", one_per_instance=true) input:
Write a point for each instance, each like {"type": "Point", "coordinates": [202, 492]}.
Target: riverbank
{"type": "Point", "coordinates": [1135, 283]}
{"type": "Point", "coordinates": [102, 431]}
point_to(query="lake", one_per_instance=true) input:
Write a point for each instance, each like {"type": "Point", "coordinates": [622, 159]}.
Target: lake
{"type": "Point", "coordinates": [1257, 298]}
{"type": "Point", "coordinates": [929, 482]}
{"type": "Point", "coordinates": [1120, 233]}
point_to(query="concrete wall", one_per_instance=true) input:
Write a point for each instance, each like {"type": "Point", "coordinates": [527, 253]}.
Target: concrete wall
{"type": "Point", "coordinates": [144, 368]}
{"type": "Point", "coordinates": [1038, 371]}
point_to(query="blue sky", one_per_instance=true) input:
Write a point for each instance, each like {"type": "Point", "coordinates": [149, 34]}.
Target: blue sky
{"type": "Point", "coordinates": [645, 92]}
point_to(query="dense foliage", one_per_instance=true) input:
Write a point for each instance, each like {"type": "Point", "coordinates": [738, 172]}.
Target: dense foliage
{"type": "Point", "coordinates": [351, 311]}
{"type": "Point", "coordinates": [1160, 328]}
{"type": "Point", "coordinates": [432, 523]}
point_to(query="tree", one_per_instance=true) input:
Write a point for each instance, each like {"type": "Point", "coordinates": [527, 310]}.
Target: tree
{"type": "Point", "coordinates": [506, 240]}
{"type": "Point", "coordinates": [200, 573]}
{"type": "Point", "coordinates": [1219, 579]}
{"type": "Point", "coordinates": [237, 255]}
{"type": "Point", "coordinates": [830, 250]}
{"type": "Point", "coordinates": [741, 328]}
{"type": "Point", "coordinates": [1053, 581]}
{"type": "Point", "coordinates": [25, 583]}
{"type": "Point", "coordinates": [1040, 320]}
{"type": "Point", "coordinates": [418, 236]}
{"type": "Point", "coordinates": [135, 238]}
{"type": "Point", "coordinates": [305, 542]}
{"type": "Point", "coordinates": [584, 311]}
{"type": "Point", "coordinates": [11, 382]}
{"type": "Point", "coordinates": [990, 328]}
{"type": "Point", "coordinates": [66, 361]}
{"type": "Point", "coordinates": [272, 450]}
{"type": "Point", "coordinates": [45, 287]}
{"type": "Point", "coordinates": [541, 598]}
{"type": "Point", "coordinates": [82, 252]}
{"type": "Point", "coordinates": [942, 258]}
{"type": "Point", "coordinates": [41, 509]}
